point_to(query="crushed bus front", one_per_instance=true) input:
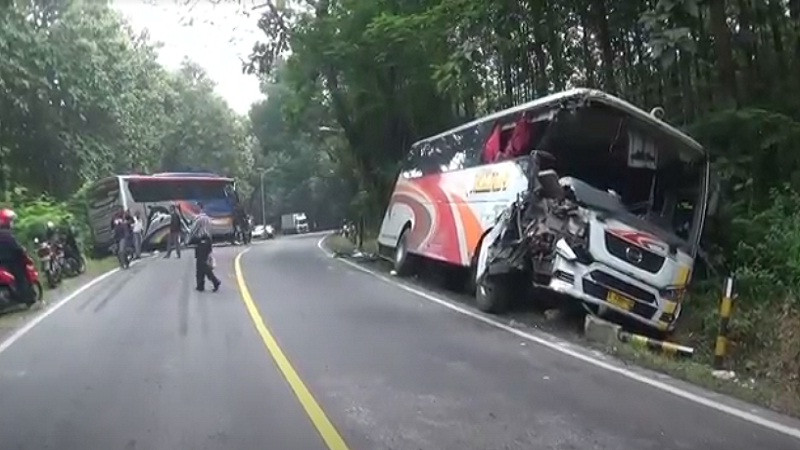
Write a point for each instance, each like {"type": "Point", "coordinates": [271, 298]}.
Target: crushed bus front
{"type": "Point", "coordinates": [597, 225]}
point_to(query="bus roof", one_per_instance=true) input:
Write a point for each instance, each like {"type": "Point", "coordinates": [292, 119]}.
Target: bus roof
{"type": "Point", "coordinates": [583, 94]}
{"type": "Point", "coordinates": [177, 177]}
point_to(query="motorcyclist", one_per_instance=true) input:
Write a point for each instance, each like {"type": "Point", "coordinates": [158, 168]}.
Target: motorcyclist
{"type": "Point", "coordinates": [12, 255]}
{"type": "Point", "coordinates": [122, 235]}
{"type": "Point", "coordinates": [51, 233]}
{"type": "Point", "coordinates": [240, 220]}
{"type": "Point", "coordinates": [71, 248]}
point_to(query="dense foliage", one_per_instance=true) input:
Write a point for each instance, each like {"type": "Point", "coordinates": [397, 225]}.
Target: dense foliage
{"type": "Point", "coordinates": [82, 97]}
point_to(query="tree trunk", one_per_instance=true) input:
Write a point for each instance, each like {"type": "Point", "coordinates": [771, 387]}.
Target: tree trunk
{"type": "Point", "coordinates": [606, 48]}
{"type": "Point", "coordinates": [588, 54]}
{"type": "Point", "coordinates": [775, 23]}
{"type": "Point", "coordinates": [724, 52]}
{"type": "Point", "coordinates": [752, 81]}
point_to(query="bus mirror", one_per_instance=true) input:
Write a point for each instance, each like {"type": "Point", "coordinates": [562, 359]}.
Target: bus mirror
{"type": "Point", "coordinates": [713, 195]}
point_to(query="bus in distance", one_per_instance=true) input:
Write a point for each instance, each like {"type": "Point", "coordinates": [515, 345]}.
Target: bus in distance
{"type": "Point", "coordinates": [152, 197]}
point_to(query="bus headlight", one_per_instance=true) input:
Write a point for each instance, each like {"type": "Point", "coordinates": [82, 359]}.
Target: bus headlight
{"type": "Point", "coordinates": [566, 252]}
{"type": "Point", "coordinates": [673, 294]}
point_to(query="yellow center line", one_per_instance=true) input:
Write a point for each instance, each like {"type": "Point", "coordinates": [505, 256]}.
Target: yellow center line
{"type": "Point", "coordinates": [321, 422]}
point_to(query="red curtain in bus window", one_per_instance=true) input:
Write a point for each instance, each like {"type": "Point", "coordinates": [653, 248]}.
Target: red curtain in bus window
{"type": "Point", "coordinates": [491, 149]}
{"type": "Point", "coordinates": [521, 139]}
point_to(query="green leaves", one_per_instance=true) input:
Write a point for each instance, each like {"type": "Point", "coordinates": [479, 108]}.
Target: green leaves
{"type": "Point", "coordinates": [82, 98]}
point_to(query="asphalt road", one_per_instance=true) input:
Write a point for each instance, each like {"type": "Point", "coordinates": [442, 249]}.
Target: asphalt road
{"type": "Point", "coordinates": [142, 361]}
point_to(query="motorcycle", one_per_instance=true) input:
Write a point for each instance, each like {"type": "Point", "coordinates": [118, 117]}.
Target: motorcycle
{"type": "Point", "coordinates": [125, 256]}
{"type": "Point", "coordinates": [74, 263]}
{"type": "Point", "coordinates": [52, 260]}
{"type": "Point", "coordinates": [8, 283]}
{"type": "Point", "coordinates": [241, 235]}
{"type": "Point", "coordinates": [349, 231]}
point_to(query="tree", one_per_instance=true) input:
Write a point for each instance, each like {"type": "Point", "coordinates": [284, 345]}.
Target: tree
{"type": "Point", "coordinates": [82, 97]}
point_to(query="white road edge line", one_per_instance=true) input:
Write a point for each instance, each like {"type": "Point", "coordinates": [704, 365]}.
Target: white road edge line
{"type": "Point", "coordinates": [666, 387]}
{"type": "Point", "coordinates": [54, 307]}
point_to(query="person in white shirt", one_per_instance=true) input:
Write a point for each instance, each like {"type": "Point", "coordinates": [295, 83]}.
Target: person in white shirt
{"type": "Point", "coordinates": [202, 252]}
{"type": "Point", "coordinates": [138, 235]}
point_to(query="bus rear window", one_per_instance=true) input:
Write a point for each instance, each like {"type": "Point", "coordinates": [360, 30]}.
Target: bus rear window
{"type": "Point", "coordinates": [104, 193]}
{"type": "Point", "coordinates": [149, 191]}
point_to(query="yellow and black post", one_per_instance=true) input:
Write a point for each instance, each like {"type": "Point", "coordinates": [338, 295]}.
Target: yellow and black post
{"type": "Point", "coordinates": [725, 309]}
{"type": "Point", "coordinates": [667, 348]}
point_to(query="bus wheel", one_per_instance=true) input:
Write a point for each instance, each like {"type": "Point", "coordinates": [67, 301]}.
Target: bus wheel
{"type": "Point", "coordinates": [403, 262]}
{"type": "Point", "coordinates": [492, 295]}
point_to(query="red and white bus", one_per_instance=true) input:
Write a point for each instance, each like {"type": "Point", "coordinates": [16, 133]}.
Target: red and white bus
{"type": "Point", "coordinates": [455, 185]}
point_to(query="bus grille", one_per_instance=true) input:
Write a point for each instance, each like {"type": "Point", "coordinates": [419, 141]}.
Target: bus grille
{"type": "Point", "coordinates": [618, 247]}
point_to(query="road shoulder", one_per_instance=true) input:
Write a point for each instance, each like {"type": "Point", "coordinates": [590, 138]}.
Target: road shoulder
{"type": "Point", "coordinates": [14, 320]}
{"type": "Point", "coordinates": [570, 343]}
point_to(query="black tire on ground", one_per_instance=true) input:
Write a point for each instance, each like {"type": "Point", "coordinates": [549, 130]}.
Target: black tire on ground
{"type": "Point", "coordinates": [403, 261]}
{"type": "Point", "coordinates": [52, 279]}
{"type": "Point", "coordinates": [495, 295]}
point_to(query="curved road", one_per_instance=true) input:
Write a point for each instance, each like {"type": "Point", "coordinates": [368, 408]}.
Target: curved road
{"type": "Point", "coordinates": [317, 354]}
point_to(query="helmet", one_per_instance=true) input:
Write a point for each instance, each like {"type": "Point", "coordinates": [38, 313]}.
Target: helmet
{"type": "Point", "coordinates": [7, 217]}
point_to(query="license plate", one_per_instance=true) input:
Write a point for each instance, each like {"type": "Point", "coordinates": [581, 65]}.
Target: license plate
{"type": "Point", "coordinates": [619, 300]}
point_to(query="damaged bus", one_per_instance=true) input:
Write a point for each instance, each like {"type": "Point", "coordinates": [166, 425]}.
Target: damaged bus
{"type": "Point", "coordinates": [579, 193]}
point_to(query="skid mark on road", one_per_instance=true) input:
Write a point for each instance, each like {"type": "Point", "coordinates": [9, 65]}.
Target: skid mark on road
{"type": "Point", "coordinates": [114, 292]}
{"type": "Point", "coordinates": [319, 419]}
{"type": "Point", "coordinates": [183, 300]}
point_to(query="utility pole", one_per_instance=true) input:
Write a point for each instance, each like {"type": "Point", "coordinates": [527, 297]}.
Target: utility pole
{"type": "Point", "coordinates": [263, 207]}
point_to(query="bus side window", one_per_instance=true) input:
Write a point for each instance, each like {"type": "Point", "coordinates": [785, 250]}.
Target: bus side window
{"type": "Point", "coordinates": [493, 145]}
{"type": "Point", "coordinates": [411, 166]}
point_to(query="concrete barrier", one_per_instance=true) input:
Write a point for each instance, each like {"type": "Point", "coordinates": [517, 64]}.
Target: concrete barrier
{"type": "Point", "coordinates": [601, 331]}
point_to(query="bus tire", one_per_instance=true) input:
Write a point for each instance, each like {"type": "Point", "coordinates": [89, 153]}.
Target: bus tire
{"type": "Point", "coordinates": [403, 261]}
{"type": "Point", "coordinates": [495, 295]}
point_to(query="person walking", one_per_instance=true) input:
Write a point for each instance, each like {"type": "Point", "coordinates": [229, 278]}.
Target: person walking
{"type": "Point", "coordinates": [202, 253]}
{"type": "Point", "coordinates": [175, 228]}
{"type": "Point", "coordinates": [138, 235]}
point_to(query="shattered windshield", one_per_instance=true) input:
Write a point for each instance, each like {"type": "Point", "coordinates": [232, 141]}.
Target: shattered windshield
{"type": "Point", "coordinates": [614, 163]}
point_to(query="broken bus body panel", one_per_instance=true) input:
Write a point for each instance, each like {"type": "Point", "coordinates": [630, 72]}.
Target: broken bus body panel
{"type": "Point", "coordinates": [612, 215]}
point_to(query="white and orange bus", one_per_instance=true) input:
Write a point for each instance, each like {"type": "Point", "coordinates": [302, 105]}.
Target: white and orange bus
{"type": "Point", "coordinates": [152, 196]}
{"type": "Point", "coordinates": [638, 189]}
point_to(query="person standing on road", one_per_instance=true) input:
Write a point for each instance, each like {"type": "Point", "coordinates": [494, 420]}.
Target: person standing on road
{"type": "Point", "coordinates": [138, 235]}
{"type": "Point", "coordinates": [202, 253]}
{"type": "Point", "coordinates": [122, 236]}
{"type": "Point", "coordinates": [175, 228]}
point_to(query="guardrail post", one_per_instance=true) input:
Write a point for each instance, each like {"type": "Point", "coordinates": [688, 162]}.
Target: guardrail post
{"type": "Point", "coordinates": [725, 309]}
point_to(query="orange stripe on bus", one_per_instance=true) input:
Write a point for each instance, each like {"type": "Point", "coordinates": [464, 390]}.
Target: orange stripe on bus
{"type": "Point", "coordinates": [473, 230]}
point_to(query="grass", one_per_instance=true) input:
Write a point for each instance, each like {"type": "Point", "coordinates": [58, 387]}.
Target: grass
{"type": "Point", "coordinates": [760, 392]}
{"type": "Point", "coordinates": [341, 245]}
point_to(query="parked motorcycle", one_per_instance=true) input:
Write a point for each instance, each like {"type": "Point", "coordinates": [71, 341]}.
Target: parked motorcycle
{"type": "Point", "coordinates": [349, 231]}
{"type": "Point", "coordinates": [74, 263]}
{"type": "Point", "coordinates": [243, 236]}
{"type": "Point", "coordinates": [125, 256]}
{"type": "Point", "coordinates": [8, 291]}
{"type": "Point", "coordinates": [52, 261]}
